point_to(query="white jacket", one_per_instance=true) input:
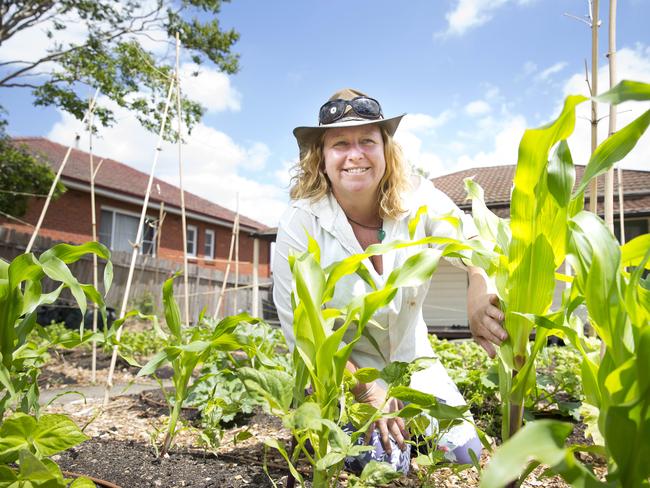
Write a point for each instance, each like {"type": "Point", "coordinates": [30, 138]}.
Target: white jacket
{"type": "Point", "coordinates": [404, 337]}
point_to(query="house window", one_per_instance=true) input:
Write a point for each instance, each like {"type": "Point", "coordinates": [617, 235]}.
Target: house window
{"type": "Point", "coordinates": [633, 228]}
{"type": "Point", "coordinates": [118, 230]}
{"type": "Point", "coordinates": [208, 245]}
{"type": "Point", "coordinates": [192, 234]}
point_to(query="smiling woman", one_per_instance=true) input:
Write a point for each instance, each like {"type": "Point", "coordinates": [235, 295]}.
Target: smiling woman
{"type": "Point", "coordinates": [352, 189]}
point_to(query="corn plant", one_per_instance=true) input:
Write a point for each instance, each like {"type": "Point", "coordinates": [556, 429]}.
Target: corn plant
{"type": "Point", "coordinates": [548, 226]}
{"type": "Point", "coordinates": [185, 350]}
{"type": "Point", "coordinates": [321, 354]}
{"type": "Point", "coordinates": [20, 295]}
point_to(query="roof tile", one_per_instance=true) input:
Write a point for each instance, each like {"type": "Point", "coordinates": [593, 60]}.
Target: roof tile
{"type": "Point", "coordinates": [126, 180]}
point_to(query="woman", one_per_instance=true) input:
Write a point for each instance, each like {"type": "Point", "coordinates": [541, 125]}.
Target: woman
{"type": "Point", "coordinates": [353, 189]}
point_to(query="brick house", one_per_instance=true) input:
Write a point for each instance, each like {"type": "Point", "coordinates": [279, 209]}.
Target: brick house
{"type": "Point", "coordinates": [120, 191]}
{"type": "Point", "coordinates": [445, 307]}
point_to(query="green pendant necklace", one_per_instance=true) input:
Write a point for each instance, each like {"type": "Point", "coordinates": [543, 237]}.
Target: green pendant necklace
{"type": "Point", "coordinates": [381, 233]}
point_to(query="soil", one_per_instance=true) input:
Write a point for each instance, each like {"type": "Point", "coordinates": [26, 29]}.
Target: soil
{"type": "Point", "coordinates": [123, 433]}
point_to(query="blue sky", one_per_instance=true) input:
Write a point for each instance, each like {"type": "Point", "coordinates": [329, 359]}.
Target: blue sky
{"type": "Point", "coordinates": [471, 74]}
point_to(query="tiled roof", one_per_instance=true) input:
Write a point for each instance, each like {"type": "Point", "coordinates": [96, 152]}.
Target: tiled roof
{"type": "Point", "coordinates": [496, 181]}
{"type": "Point", "coordinates": [123, 179]}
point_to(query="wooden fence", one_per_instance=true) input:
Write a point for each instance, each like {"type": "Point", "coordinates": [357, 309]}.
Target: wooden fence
{"type": "Point", "coordinates": [150, 273]}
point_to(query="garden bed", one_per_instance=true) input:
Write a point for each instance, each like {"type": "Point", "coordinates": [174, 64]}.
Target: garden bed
{"type": "Point", "coordinates": [121, 451]}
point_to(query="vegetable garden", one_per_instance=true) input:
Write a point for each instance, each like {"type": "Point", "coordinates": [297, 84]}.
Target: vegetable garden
{"type": "Point", "coordinates": [237, 371]}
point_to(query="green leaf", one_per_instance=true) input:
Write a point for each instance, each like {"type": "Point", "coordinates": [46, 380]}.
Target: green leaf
{"type": "Point", "coordinates": [413, 223]}
{"type": "Point", "coordinates": [55, 433]}
{"type": "Point", "coordinates": [172, 312]}
{"type": "Point", "coordinates": [366, 375]}
{"type": "Point", "coordinates": [153, 364]}
{"type": "Point", "coordinates": [35, 473]}
{"type": "Point", "coordinates": [378, 473]}
{"type": "Point", "coordinates": [416, 270]}
{"type": "Point", "coordinates": [274, 443]}
{"type": "Point", "coordinates": [633, 252]}
{"type": "Point", "coordinates": [561, 174]}
{"type": "Point", "coordinates": [541, 441]}
{"type": "Point", "coordinates": [273, 385]}
{"type": "Point", "coordinates": [486, 221]}
{"type": "Point", "coordinates": [625, 91]}
{"type": "Point", "coordinates": [15, 435]}
{"type": "Point", "coordinates": [613, 149]}
{"type": "Point", "coordinates": [410, 395]}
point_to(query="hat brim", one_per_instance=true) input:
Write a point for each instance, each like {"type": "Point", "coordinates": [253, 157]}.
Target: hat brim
{"type": "Point", "coordinates": [306, 136]}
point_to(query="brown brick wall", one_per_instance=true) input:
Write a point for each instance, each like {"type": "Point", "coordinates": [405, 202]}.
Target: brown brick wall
{"type": "Point", "coordinates": [68, 219]}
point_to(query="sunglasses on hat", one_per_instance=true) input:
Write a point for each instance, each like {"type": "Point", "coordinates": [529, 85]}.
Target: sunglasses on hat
{"type": "Point", "coordinates": [363, 106]}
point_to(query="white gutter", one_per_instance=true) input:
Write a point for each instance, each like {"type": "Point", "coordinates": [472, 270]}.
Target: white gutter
{"type": "Point", "coordinates": [75, 185]}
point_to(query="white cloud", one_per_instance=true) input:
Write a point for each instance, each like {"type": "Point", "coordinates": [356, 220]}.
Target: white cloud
{"type": "Point", "coordinates": [529, 68]}
{"type": "Point", "coordinates": [632, 64]}
{"type": "Point", "coordinates": [546, 74]}
{"type": "Point", "coordinates": [472, 13]}
{"type": "Point", "coordinates": [210, 88]}
{"type": "Point", "coordinates": [477, 107]}
{"type": "Point", "coordinates": [503, 148]}
{"type": "Point", "coordinates": [212, 162]}
{"type": "Point", "coordinates": [410, 134]}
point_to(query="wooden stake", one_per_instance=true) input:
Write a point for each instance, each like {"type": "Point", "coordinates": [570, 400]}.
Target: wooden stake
{"type": "Point", "coordinates": [180, 183]}
{"type": "Point", "coordinates": [138, 239]}
{"type": "Point", "coordinates": [609, 176]}
{"type": "Point", "coordinates": [57, 177]}
{"type": "Point", "coordinates": [621, 213]}
{"type": "Point", "coordinates": [593, 188]}
{"type": "Point", "coordinates": [93, 219]}
{"type": "Point", "coordinates": [236, 260]}
{"type": "Point", "coordinates": [235, 228]}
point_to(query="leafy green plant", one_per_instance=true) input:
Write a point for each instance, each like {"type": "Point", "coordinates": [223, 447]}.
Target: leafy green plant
{"type": "Point", "coordinates": [20, 295]}
{"type": "Point", "coordinates": [219, 394]}
{"type": "Point", "coordinates": [30, 442]}
{"type": "Point", "coordinates": [615, 382]}
{"type": "Point", "coordinates": [185, 350]}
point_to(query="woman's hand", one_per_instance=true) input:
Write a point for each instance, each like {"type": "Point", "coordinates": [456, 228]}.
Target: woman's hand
{"type": "Point", "coordinates": [485, 317]}
{"type": "Point", "coordinates": [373, 394]}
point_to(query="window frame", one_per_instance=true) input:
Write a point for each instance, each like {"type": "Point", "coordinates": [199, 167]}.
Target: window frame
{"type": "Point", "coordinates": [195, 242]}
{"type": "Point", "coordinates": [126, 213]}
{"type": "Point", "coordinates": [212, 233]}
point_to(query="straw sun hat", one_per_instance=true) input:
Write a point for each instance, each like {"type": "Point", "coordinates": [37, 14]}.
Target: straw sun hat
{"type": "Point", "coordinates": [330, 116]}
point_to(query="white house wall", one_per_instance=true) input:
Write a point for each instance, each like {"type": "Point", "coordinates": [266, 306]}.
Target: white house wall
{"type": "Point", "coordinates": [446, 301]}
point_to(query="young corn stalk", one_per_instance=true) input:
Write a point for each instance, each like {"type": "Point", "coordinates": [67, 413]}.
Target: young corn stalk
{"type": "Point", "coordinates": [549, 225]}
{"type": "Point", "coordinates": [20, 295]}
{"type": "Point", "coordinates": [185, 350]}
{"type": "Point", "coordinates": [321, 354]}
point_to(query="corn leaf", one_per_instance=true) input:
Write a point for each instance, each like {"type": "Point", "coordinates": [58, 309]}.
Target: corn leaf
{"type": "Point", "coordinates": [625, 91]}
{"type": "Point", "coordinates": [613, 149]}
{"type": "Point", "coordinates": [561, 174]}
{"type": "Point", "coordinates": [633, 252]}
{"type": "Point", "coordinates": [542, 441]}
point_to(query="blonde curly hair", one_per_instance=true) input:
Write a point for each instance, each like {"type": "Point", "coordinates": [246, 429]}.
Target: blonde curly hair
{"type": "Point", "coordinates": [309, 180]}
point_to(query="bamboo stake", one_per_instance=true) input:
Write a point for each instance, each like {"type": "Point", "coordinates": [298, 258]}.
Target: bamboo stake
{"type": "Point", "coordinates": [180, 183]}
{"type": "Point", "coordinates": [134, 254]}
{"type": "Point", "coordinates": [593, 188]}
{"type": "Point", "coordinates": [235, 226]}
{"type": "Point", "coordinates": [609, 176]}
{"type": "Point", "coordinates": [93, 220]}
{"type": "Point", "coordinates": [236, 261]}
{"type": "Point", "coordinates": [57, 177]}
{"type": "Point", "coordinates": [621, 213]}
